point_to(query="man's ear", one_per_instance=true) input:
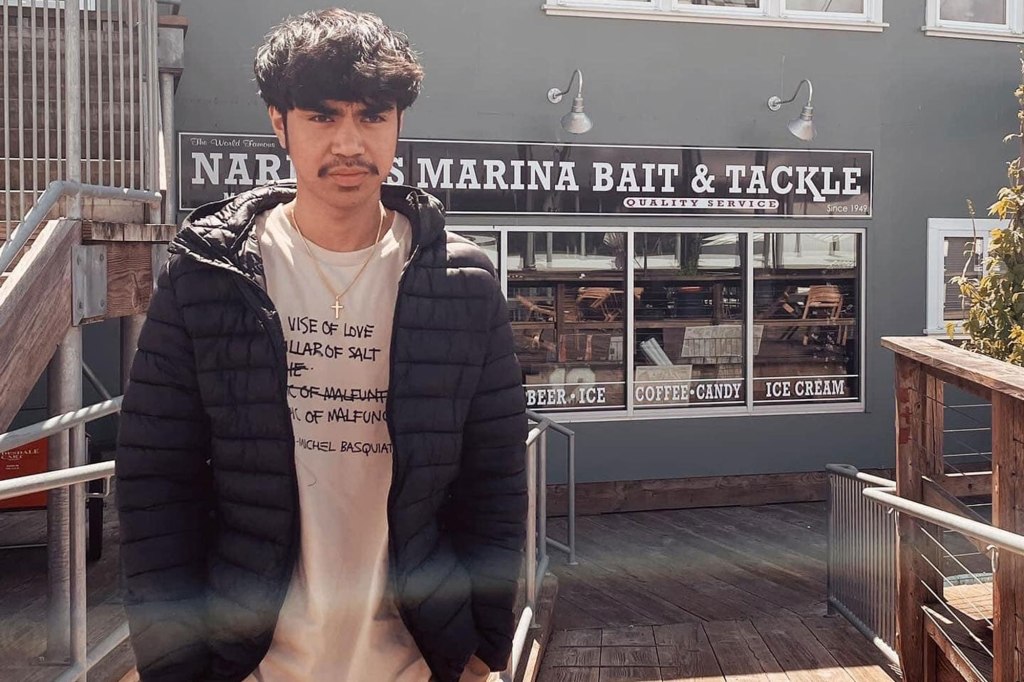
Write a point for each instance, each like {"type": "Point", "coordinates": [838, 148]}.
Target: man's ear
{"type": "Point", "coordinates": [279, 121]}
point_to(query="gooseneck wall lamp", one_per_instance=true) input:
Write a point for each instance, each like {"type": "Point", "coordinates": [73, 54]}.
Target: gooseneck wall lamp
{"type": "Point", "coordinates": [576, 121]}
{"type": "Point", "coordinates": [803, 125]}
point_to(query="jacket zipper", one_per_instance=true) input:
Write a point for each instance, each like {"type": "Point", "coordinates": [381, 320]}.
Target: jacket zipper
{"type": "Point", "coordinates": [388, 414]}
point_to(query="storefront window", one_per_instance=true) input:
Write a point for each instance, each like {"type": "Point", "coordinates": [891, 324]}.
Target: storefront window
{"type": "Point", "coordinates": [566, 294]}
{"type": "Point", "coordinates": [689, 321]}
{"type": "Point", "coordinates": [806, 315]}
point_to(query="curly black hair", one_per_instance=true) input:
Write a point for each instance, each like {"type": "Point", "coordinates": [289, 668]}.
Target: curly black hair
{"type": "Point", "coordinates": [335, 54]}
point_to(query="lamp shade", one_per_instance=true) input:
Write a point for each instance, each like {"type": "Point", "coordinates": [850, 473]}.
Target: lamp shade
{"type": "Point", "coordinates": [576, 121]}
{"type": "Point", "coordinates": [803, 126]}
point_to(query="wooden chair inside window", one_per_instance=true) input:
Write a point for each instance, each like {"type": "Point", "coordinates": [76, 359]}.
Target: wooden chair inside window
{"type": "Point", "coordinates": [603, 301]}
{"type": "Point", "coordinates": [825, 302]}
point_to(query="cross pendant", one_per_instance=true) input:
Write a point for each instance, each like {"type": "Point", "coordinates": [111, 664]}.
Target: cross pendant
{"type": "Point", "coordinates": [337, 307]}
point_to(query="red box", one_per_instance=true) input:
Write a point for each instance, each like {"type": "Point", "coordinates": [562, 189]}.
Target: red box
{"type": "Point", "coordinates": [28, 459]}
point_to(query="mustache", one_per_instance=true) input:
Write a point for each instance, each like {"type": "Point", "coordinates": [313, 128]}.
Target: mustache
{"type": "Point", "coordinates": [340, 163]}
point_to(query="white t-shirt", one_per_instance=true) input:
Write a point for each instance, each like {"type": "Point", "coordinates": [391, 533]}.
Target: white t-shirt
{"type": "Point", "coordinates": [338, 621]}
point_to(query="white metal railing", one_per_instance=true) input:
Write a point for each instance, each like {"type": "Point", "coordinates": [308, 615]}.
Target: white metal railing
{"type": "Point", "coordinates": [862, 556]}
{"type": "Point", "coordinates": [74, 478]}
{"type": "Point", "coordinates": [57, 190]}
{"type": "Point", "coordinates": [72, 637]}
{"type": "Point", "coordinates": [80, 96]}
{"type": "Point", "coordinates": [537, 540]}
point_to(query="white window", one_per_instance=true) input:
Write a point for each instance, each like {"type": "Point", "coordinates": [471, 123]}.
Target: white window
{"type": "Point", "coordinates": [979, 19]}
{"type": "Point", "coordinates": [956, 246]}
{"type": "Point", "coordinates": [863, 15]}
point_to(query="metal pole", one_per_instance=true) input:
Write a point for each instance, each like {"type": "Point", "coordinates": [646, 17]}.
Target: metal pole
{"type": "Point", "coordinates": [531, 526]}
{"type": "Point", "coordinates": [64, 388]}
{"type": "Point", "coordinates": [542, 498]}
{"type": "Point", "coordinates": [73, 100]}
{"type": "Point", "coordinates": [61, 384]}
{"type": "Point", "coordinates": [572, 499]}
{"type": "Point", "coordinates": [79, 625]}
{"type": "Point", "coordinates": [830, 511]}
{"type": "Point", "coordinates": [169, 187]}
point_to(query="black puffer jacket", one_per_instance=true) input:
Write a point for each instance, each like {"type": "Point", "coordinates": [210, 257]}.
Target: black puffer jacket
{"type": "Point", "coordinates": [205, 464]}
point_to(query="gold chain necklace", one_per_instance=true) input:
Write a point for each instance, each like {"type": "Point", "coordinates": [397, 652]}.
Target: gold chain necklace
{"type": "Point", "coordinates": [337, 307]}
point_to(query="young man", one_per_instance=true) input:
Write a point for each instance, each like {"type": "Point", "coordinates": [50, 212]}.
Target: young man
{"type": "Point", "coordinates": [321, 460]}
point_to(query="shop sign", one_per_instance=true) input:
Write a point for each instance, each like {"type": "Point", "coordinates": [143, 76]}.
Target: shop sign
{"type": "Point", "coordinates": [28, 459]}
{"type": "Point", "coordinates": [799, 389]}
{"type": "Point", "coordinates": [527, 178]}
{"type": "Point", "coordinates": [666, 394]}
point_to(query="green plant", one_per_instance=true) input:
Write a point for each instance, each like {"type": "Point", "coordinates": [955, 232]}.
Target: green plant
{"type": "Point", "coordinates": [994, 322]}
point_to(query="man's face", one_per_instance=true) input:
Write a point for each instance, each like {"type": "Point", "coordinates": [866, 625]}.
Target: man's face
{"type": "Point", "coordinates": [341, 152]}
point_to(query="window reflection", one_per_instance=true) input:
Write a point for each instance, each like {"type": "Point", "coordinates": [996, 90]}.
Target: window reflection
{"type": "Point", "coordinates": [806, 309]}
{"type": "Point", "coordinates": [566, 302]}
{"type": "Point", "coordinates": [831, 6]}
{"type": "Point", "coordinates": [974, 11]}
{"type": "Point", "coordinates": [689, 320]}
{"type": "Point", "coordinates": [961, 257]}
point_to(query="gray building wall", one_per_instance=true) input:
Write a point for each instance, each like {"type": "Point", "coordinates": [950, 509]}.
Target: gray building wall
{"type": "Point", "coordinates": [934, 111]}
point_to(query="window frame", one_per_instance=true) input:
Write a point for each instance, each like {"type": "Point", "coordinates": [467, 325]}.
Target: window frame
{"type": "Point", "coordinates": [771, 13]}
{"type": "Point", "coordinates": [939, 229]}
{"type": "Point", "coordinates": [632, 412]}
{"type": "Point", "coordinates": [1011, 31]}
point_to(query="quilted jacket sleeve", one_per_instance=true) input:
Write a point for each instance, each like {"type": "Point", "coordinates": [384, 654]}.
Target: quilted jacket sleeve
{"type": "Point", "coordinates": [489, 496]}
{"type": "Point", "coordinates": [163, 498]}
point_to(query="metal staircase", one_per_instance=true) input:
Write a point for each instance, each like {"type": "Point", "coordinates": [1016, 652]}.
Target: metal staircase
{"type": "Point", "coordinates": [86, 110]}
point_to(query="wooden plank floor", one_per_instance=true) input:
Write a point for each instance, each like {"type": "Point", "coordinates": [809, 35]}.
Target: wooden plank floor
{"type": "Point", "coordinates": [23, 601]}
{"type": "Point", "coordinates": [710, 594]}
{"type": "Point", "coordinates": [726, 595]}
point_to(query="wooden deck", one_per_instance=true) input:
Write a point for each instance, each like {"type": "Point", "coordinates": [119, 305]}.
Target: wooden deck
{"type": "Point", "coordinates": [707, 594]}
{"type": "Point", "coordinates": [727, 594]}
{"type": "Point", "coordinates": [23, 601]}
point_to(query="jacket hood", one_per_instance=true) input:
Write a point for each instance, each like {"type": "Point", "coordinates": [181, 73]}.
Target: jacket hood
{"type": "Point", "coordinates": [220, 233]}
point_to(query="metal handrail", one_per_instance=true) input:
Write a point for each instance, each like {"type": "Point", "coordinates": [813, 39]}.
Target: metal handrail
{"type": "Point", "coordinates": [49, 480]}
{"type": "Point", "coordinates": [536, 537]}
{"type": "Point", "coordinates": [861, 578]}
{"type": "Point", "coordinates": [66, 478]}
{"type": "Point", "coordinates": [544, 424]}
{"type": "Point", "coordinates": [55, 425]}
{"type": "Point", "coordinates": [992, 535]}
{"type": "Point", "coordinates": [853, 472]}
{"type": "Point", "coordinates": [55, 191]}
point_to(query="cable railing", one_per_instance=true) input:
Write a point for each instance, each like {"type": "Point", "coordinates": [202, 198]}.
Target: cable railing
{"type": "Point", "coordinates": [958, 490]}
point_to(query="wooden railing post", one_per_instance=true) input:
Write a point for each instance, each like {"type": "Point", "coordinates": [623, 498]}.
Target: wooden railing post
{"type": "Point", "coordinates": [918, 453]}
{"type": "Point", "coordinates": [1008, 514]}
